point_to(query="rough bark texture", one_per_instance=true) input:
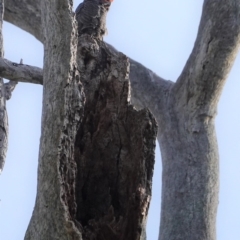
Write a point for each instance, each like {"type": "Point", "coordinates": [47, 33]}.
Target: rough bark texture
{"type": "Point", "coordinates": [3, 116]}
{"type": "Point", "coordinates": [102, 191]}
{"type": "Point", "coordinates": [20, 72]}
{"type": "Point", "coordinates": [30, 11]}
{"type": "Point", "coordinates": [5, 94]}
{"type": "Point", "coordinates": [185, 112]}
{"type": "Point", "coordinates": [53, 215]}
{"type": "Point", "coordinates": [114, 149]}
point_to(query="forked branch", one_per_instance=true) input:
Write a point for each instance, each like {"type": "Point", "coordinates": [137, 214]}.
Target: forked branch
{"type": "Point", "coordinates": [212, 57]}
{"type": "Point", "coordinates": [148, 89]}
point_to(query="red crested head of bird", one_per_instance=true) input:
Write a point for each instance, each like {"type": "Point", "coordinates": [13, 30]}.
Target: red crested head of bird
{"type": "Point", "coordinates": [106, 1]}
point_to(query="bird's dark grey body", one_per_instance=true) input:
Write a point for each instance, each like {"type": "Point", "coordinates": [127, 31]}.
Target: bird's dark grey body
{"type": "Point", "coordinates": [91, 18]}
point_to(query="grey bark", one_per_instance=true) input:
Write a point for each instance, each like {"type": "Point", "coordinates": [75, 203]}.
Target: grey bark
{"type": "Point", "coordinates": [19, 13]}
{"type": "Point", "coordinates": [3, 116]}
{"type": "Point", "coordinates": [91, 17]}
{"type": "Point", "coordinates": [62, 110]}
{"type": "Point", "coordinates": [5, 94]}
{"type": "Point", "coordinates": [20, 72]}
{"type": "Point", "coordinates": [99, 188]}
{"type": "Point", "coordinates": [185, 112]}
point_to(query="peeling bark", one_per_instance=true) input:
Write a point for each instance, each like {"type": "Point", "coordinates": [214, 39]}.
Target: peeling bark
{"type": "Point", "coordinates": [185, 112]}
{"type": "Point", "coordinates": [3, 116]}
{"type": "Point", "coordinates": [145, 84]}
{"type": "Point", "coordinates": [101, 187]}
{"type": "Point", "coordinates": [25, 14]}
{"type": "Point", "coordinates": [114, 149]}
{"type": "Point", "coordinates": [187, 134]}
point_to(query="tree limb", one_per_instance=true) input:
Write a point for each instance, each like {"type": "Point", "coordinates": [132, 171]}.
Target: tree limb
{"type": "Point", "coordinates": [26, 15]}
{"type": "Point", "coordinates": [9, 87]}
{"type": "Point", "coordinates": [62, 110]}
{"type": "Point", "coordinates": [6, 90]}
{"type": "Point", "coordinates": [20, 72]}
{"type": "Point", "coordinates": [148, 89]}
{"type": "Point", "coordinates": [214, 52]}
{"type": "Point", "coordinates": [190, 177]}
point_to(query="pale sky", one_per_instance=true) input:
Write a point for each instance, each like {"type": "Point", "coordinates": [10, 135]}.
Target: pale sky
{"type": "Point", "coordinates": [158, 34]}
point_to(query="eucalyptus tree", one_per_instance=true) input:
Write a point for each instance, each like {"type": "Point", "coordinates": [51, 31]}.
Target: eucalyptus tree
{"type": "Point", "coordinates": [95, 169]}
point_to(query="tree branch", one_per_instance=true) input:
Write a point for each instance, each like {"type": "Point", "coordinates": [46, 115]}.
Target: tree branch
{"type": "Point", "coordinates": [148, 89]}
{"type": "Point", "coordinates": [61, 114]}
{"type": "Point", "coordinates": [212, 57]}
{"type": "Point", "coordinates": [9, 87]}
{"type": "Point", "coordinates": [6, 90]}
{"type": "Point", "coordinates": [26, 15]}
{"type": "Point", "coordinates": [20, 72]}
{"type": "Point", "coordinates": [190, 177]}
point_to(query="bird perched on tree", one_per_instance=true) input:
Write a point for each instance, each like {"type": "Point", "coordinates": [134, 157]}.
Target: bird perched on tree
{"type": "Point", "coordinates": [91, 17]}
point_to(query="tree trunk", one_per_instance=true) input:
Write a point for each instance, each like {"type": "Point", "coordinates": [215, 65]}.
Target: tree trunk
{"type": "Point", "coordinates": [5, 94]}
{"type": "Point", "coordinates": [62, 110]}
{"type": "Point", "coordinates": [187, 138]}
{"type": "Point", "coordinates": [101, 187]}
{"type": "Point", "coordinates": [185, 112]}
